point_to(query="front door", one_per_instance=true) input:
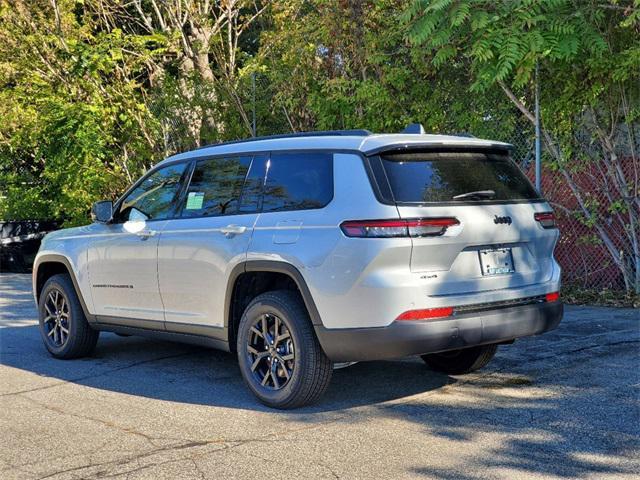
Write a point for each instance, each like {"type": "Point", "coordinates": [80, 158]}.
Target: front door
{"type": "Point", "coordinates": [123, 257]}
{"type": "Point", "coordinates": [197, 251]}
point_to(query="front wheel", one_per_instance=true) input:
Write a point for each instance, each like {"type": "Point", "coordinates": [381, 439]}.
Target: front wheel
{"type": "Point", "coordinates": [457, 362]}
{"type": "Point", "coordinates": [63, 326]}
{"type": "Point", "coordinates": [280, 357]}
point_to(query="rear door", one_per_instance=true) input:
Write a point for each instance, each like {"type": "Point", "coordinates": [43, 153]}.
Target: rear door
{"type": "Point", "coordinates": [497, 242]}
{"type": "Point", "coordinates": [198, 250]}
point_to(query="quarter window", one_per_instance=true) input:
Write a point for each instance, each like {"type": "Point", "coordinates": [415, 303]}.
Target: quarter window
{"type": "Point", "coordinates": [154, 198]}
{"type": "Point", "coordinates": [298, 181]}
{"type": "Point", "coordinates": [215, 187]}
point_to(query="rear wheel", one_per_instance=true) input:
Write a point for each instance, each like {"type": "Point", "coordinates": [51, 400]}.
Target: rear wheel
{"type": "Point", "coordinates": [63, 326]}
{"type": "Point", "coordinates": [280, 357]}
{"type": "Point", "coordinates": [457, 362]}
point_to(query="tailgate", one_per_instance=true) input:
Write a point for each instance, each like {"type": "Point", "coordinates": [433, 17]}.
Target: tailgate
{"type": "Point", "coordinates": [498, 242]}
{"type": "Point", "coordinates": [480, 254]}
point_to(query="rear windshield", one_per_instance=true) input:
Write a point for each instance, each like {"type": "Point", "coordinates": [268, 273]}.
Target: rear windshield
{"type": "Point", "coordinates": [440, 176]}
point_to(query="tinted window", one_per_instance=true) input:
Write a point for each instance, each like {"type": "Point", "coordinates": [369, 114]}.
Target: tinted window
{"type": "Point", "coordinates": [155, 197]}
{"type": "Point", "coordinates": [297, 181]}
{"type": "Point", "coordinates": [438, 177]}
{"type": "Point", "coordinates": [250, 200]}
{"type": "Point", "coordinates": [215, 187]}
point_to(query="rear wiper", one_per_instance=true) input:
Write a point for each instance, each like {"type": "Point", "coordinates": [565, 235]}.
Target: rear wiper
{"type": "Point", "coordinates": [479, 194]}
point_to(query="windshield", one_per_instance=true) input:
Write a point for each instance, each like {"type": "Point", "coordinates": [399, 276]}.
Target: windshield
{"type": "Point", "coordinates": [455, 177]}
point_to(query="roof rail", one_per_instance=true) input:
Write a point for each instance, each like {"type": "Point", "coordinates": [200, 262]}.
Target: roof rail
{"type": "Point", "coordinates": [464, 134]}
{"type": "Point", "coordinates": [414, 128]}
{"type": "Point", "coordinates": [322, 133]}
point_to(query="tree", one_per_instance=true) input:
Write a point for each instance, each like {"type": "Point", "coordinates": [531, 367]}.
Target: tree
{"type": "Point", "coordinates": [93, 93]}
{"type": "Point", "coordinates": [346, 64]}
{"type": "Point", "coordinates": [200, 62]}
{"type": "Point", "coordinates": [75, 126]}
{"type": "Point", "coordinates": [588, 54]}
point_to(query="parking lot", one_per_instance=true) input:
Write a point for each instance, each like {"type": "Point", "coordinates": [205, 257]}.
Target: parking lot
{"type": "Point", "coordinates": [563, 405]}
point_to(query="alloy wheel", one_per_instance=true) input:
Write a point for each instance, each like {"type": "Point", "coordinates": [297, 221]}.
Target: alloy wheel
{"type": "Point", "coordinates": [271, 352]}
{"type": "Point", "coordinates": [56, 320]}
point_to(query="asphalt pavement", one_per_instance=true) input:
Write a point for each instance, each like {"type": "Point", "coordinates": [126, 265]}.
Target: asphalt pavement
{"type": "Point", "coordinates": [562, 405]}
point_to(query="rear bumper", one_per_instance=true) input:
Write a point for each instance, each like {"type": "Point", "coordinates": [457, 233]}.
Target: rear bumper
{"type": "Point", "coordinates": [403, 338]}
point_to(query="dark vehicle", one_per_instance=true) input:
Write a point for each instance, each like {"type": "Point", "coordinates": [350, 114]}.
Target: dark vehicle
{"type": "Point", "coordinates": [20, 241]}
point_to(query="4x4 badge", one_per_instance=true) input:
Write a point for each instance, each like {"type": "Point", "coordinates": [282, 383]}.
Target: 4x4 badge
{"type": "Point", "coordinates": [498, 220]}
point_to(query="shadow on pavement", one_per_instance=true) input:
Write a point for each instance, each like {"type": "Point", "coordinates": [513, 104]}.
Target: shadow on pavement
{"type": "Point", "coordinates": [566, 406]}
{"type": "Point", "coordinates": [188, 374]}
{"type": "Point", "coordinates": [184, 373]}
{"type": "Point", "coordinates": [528, 426]}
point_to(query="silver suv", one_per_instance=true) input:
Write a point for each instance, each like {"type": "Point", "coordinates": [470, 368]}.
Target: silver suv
{"type": "Point", "coordinates": [304, 251]}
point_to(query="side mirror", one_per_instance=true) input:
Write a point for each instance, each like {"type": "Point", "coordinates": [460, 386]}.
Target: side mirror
{"type": "Point", "coordinates": [102, 212]}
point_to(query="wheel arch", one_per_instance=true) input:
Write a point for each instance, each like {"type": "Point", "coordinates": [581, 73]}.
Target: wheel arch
{"type": "Point", "coordinates": [49, 265]}
{"type": "Point", "coordinates": [274, 275]}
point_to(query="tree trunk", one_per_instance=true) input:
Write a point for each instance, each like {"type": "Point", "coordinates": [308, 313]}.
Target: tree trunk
{"type": "Point", "coordinates": [199, 39]}
{"type": "Point", "coordinates": [192, 116]}
{"type": "Point", "coordinates": [626, 268]}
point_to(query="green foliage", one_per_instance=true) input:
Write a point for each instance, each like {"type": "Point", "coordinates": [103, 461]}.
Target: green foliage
{"type": "Point", "coordinates": [504, 39]}
{"type": "Point", "coordinates": [73, 115]}
{"type": "Point", "coordinates": [88, 106]}
{"type": "Point", "coordinates": [94, 92]}
{"type": "Point", "coordinates": [335, 64]}
{"type": "Point", "coordinates": [91, 95]}
{"type": "Point", "coordinates": [588, 57]}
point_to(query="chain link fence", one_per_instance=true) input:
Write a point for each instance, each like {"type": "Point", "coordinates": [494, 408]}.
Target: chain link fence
{"type": "Point", "coordinates": [585, 261]}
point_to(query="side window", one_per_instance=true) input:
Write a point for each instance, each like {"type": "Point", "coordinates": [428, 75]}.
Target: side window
{"type": "Point", "coordinates": [298, 181]}
{"type": "Point", "coordinates": [215, 187]}
{"type": "Point", "coordinates": [252, 191]}
{"type": "Point", "coordinates": [155, 198]}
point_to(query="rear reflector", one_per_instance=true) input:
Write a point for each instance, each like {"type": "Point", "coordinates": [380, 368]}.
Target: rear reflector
{"type": "Point", "coordinates": [546, 219]}
{"type": "Point", "coordinates": [427, 314]}
{"type": "Point", "coordinates": [415, 227]}
{"type": "Point", "coordinates": [552, 297]}
{"type": "Point", "coordinates": [443, 312]}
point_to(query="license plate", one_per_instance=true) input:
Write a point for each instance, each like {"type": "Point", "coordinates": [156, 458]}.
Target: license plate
{"type": "Point", "coordinates": [496, 261]}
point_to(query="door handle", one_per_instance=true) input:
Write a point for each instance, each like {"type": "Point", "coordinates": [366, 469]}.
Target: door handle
{"type": "Point", "coordinates": [145, 234]}
{"type": "Point", "coordinates": [233, 229]}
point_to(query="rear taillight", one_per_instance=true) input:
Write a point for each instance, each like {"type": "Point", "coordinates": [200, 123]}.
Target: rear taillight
{"type": "Point", "coordinates": [426, 314]}
{"type": "Point", "coordinates": [415, 227]}
{"type": "Point", "coordinates": [552, 297]}
{"type": "Point", "coordinates": [546, 219]}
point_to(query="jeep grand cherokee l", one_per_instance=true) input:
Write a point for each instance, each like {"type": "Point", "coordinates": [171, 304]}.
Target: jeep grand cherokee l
{"type": "Point", "coordinates": [301, 251]}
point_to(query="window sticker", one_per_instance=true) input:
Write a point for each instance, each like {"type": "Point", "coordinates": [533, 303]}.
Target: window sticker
{"type": "Point", "coordinates": [194, 200]}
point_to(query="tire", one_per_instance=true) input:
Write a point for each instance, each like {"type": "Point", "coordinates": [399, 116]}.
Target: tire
{"type": "Point", "coordinates": [458, 362]}
{"type": "Point", "coordinates": [59, 295]}
{"type": "Point", "coordinates": [290, 372]}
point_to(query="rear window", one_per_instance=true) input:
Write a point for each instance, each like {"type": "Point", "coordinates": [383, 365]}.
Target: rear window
{"type": "Point", "coordinates": [440, 176]}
